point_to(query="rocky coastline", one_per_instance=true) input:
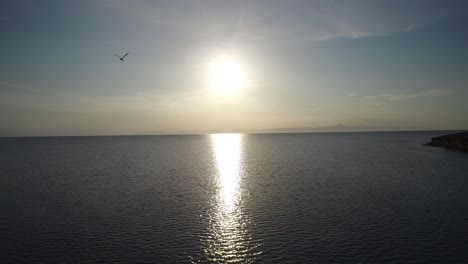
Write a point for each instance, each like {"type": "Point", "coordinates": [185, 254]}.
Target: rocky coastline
{"type": "Point", "coordinates": [458, 141]}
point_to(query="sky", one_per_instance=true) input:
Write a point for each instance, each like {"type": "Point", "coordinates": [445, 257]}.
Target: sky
{"type": "Point", "coordinates": [204, 66]}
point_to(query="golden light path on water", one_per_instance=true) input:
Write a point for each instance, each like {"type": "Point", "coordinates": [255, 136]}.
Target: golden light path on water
{"type": "Point", "coordinates": [229, 240]}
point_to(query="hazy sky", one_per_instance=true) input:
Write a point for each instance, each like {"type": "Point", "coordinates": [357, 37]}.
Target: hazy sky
{"type": "Point", "coordinates": [396, 64]}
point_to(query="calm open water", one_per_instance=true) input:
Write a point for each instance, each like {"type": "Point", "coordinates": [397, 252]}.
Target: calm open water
{"type": "Point", "coordinates": [277, 198]}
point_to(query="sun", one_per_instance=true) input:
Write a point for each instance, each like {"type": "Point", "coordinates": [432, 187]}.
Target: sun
{"type": "Point", "coordinates": [226, 75]}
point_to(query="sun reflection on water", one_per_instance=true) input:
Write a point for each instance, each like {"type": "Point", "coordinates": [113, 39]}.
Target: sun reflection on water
{"type": "Point", "coordinates": [228, 239]}
{"type": "Point", "coordinates": [227, 153]}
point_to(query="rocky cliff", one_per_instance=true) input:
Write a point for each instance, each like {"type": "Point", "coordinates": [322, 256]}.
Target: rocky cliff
{"type": "Point", "coordinates": [458, 141]}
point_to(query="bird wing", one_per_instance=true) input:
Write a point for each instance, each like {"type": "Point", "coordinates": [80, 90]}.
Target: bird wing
{"type": "Point", "coordinates": [116, 55]}
{"type": "Point", "coordinates": [125, 55]}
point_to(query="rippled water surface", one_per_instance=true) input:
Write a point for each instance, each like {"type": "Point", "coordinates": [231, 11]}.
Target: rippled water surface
{"type": "Point", "coordinates": [231, 198]}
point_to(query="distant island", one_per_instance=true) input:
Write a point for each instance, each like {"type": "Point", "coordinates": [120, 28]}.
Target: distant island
{"type": "Point", "coordinates": [457, 141]}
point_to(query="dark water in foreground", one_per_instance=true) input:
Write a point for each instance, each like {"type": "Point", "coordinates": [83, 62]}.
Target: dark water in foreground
{"type": "Point", "coordinates": [284, 198]}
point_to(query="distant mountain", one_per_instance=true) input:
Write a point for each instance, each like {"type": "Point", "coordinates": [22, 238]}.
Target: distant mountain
{"type": "Point", "coordinates": [333, 128]}
{"type": "Point", "coordinates": [155, 132]}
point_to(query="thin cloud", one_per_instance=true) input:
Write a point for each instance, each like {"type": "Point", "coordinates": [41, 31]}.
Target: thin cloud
{"type": "Point", "coordinates": [285, 22]}
{"type": "Point", "coordinates": [400, 97]}
{"type": "Point", "coordinates": [412, 27]}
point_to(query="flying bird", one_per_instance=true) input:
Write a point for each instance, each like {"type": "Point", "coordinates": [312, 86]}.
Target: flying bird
{"type": "Point", "coordinates": [121, 58]}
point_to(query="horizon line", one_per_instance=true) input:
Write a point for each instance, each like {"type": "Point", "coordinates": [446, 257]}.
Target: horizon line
{"type": "Point", "coordinates": [232, 132]}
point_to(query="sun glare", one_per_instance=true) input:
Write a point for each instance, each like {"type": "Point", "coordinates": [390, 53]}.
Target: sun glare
{"type": "Point", "coordinates": [226, 75]}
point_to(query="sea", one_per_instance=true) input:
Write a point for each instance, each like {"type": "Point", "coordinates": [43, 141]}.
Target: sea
{"type": "Point", "coordinates": [368, 197]}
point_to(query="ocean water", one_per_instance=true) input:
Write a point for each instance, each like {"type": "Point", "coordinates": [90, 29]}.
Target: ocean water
{"type": "Point", "coordinates": [231, 198]}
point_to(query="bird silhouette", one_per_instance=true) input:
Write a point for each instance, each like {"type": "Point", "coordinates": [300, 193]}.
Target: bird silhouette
{"type": "Point", "coordinates": [121, 58]}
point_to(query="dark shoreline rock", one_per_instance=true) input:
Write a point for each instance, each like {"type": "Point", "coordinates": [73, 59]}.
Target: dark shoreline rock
{"type": "Point", "coordinates": [458, 141]}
